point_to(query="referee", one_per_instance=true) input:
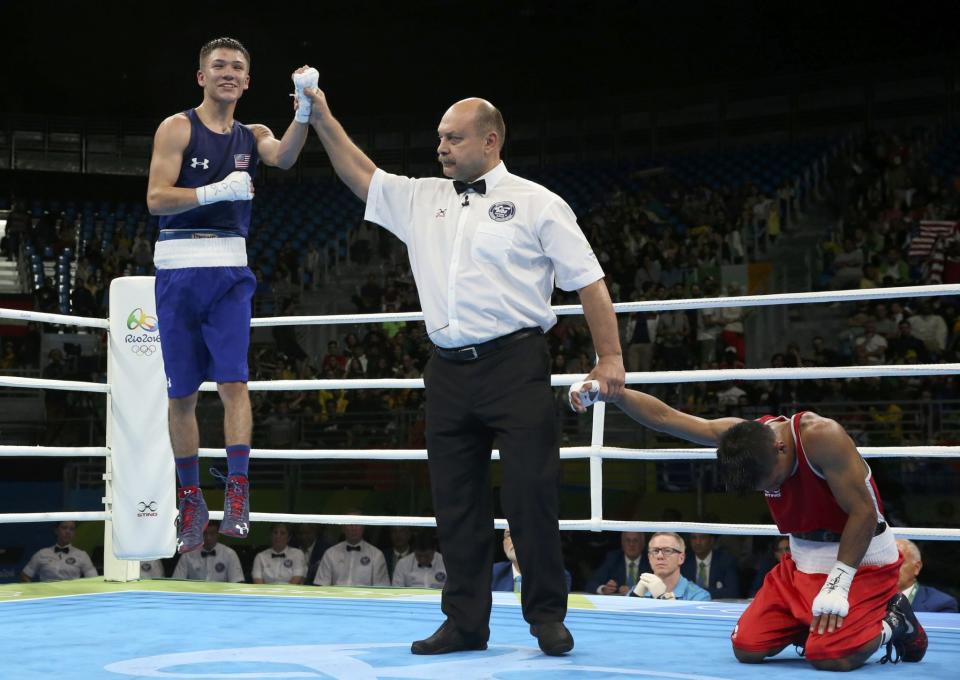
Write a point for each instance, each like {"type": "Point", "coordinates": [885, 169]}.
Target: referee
{"type": "Point", "coordinates": [486, 250]}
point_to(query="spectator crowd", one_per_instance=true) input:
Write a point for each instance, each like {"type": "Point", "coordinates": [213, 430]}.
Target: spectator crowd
{"type": "Point", "coordinates": [667, 566]}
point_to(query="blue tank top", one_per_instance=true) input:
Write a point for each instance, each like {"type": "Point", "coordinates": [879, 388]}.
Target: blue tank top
{"type": "Point", "coordinates": [208, 158]}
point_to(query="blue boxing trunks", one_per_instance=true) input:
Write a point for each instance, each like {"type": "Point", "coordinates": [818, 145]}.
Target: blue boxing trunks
{"type": "Point", "coordinates": [203, 315]}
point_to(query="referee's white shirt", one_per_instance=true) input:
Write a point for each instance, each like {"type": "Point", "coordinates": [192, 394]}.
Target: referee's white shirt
{"type": "Point", "coordinates": [342, 567]}
{"type": "Point", "coordinates": [488, 268]}
{"type": "Point", "coordinates": [219, 564]}
{"type": "Point", "coordinates": [49, 565]}
{"type": "Point", "coordinates": [279, 567]}
{"type": "Point", "coordinates": [409, 574]}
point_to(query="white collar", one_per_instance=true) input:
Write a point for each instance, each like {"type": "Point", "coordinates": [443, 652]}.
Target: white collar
{"type": "Point", "coordinates": [493, 177]}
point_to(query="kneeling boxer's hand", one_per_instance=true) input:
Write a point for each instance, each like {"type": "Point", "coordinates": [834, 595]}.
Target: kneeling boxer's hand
{"type": "Point", "coordinates": [237, 186]}
{"type": "Point", "coordinates": [583, 394]}
{"type": "Point", "coordinates": [650, 583]}
{"type": "Point", "coordinates": [831, 605]}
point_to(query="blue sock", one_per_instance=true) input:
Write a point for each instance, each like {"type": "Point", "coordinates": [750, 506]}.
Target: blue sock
{"type": "Point", "coordinates": [238, 459]}
{"type": "Point", "coordinates": [188, 471]}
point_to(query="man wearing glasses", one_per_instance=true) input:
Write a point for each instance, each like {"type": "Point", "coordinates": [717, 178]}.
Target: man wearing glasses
{"type": "Point", "coordinates": [667, 552]}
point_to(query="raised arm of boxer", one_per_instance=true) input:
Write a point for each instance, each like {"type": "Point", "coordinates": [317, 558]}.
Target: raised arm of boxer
{"type": "Point", "coordinates": [352, 166]}
{"type": "Point", "coordinates": [280, 153]}
{"type": "Point", "coordinates": [283, 153]}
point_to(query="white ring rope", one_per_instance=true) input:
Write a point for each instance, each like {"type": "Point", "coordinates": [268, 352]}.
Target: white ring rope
{"type": "Point", "coordinates": [558, 380]}
{"type": "Point", "coordinates": [63, 319]}
{"type": "Point", "coordinates": [778, 299]}
{"type": "Point", "coordinates": [925, 534]}
{"type": "Point", "coordinates": [802, 373]}
{"type": "Point", "coordinates": [930, 534]}
{"type": "Point", "coordinates": [23, 517]}
{"type": "Point", "coordinates": [566, 453]}
{"type": "Point", "coordinates": [671, 377]}
{"type": "Point", "coordinates": [55, 451]}
{"type": "Point", "coordinates": [649, 306]}
{"type": "Point", "coordinates": [46, 384]}
{"type": "Point", "coordinates": [688, 303]}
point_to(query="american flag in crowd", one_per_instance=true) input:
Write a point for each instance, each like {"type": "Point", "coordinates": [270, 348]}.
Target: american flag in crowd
{"type": "Point", "coordinates": [930, 244]}
{"type": "Point", "coordinates": [921, 245]}
{"type": "Point", "coordinates": [241, 161]}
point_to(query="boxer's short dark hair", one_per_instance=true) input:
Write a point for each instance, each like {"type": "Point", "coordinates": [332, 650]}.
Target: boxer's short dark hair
{"type": "Point", "coordinates": [745, 456]}
{"type": "Point", "coordinates": [225, 44]}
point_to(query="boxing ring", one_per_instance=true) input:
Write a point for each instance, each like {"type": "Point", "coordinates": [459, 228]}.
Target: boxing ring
{"type": "Point", "coordinates": [117, 627]}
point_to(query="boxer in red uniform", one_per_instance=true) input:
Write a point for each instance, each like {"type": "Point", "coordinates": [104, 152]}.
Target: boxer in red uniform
{"type": "Point", "coordinates": [835, 593]}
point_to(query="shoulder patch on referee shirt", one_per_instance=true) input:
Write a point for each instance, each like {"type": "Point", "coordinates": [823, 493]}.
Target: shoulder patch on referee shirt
{"type": "Point", "coordinates": [502, 211]}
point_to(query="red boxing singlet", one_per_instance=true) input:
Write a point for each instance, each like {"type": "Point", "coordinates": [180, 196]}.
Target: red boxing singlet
{"type": "Point", "coordinates": [804, 502]}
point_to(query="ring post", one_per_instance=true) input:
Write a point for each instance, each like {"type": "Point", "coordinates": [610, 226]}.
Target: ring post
{"type": "Point", "coordinates": [596, 466]}
{"type": "Point", "coordinates": [140, 476]}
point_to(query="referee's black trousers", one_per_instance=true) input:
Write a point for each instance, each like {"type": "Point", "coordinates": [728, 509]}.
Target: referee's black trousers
{"type": "Point", "coordinates": [504, 396]}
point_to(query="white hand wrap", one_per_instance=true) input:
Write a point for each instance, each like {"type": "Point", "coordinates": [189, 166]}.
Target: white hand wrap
{"type": "Point", "coordinates": [589, 392]}
{"type": "Point", "coordinates": [237, 186]}
{"type": "Point", "coordinates": [650, 583]}
{"type": "Point", "coordinates": [301, 81]}
{"type": "Point", "coordinates": [832, 598]}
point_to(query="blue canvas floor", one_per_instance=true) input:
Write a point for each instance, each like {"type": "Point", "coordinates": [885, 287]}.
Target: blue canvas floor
{"type": "Point", "coordinates": [186, 635]}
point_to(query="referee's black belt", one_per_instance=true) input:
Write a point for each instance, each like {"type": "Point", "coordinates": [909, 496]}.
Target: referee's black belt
{"type": "Point", "coordinates": [824, 536]}
{"type": "Point", "coordinates": [479, 351]}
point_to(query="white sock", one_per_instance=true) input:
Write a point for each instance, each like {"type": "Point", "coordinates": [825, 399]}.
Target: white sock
{"type": "Point", "coordinates": [886, 634]}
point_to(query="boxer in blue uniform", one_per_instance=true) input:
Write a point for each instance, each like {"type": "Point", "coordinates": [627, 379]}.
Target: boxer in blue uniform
{"type": "Point", "coordinates": [200, 185]}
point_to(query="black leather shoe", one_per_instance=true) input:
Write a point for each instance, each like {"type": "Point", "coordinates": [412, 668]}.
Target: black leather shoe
{"type": "Point", "coordinates": [448, 639]}
{"type": "Point", "coordinates": [554, 638]}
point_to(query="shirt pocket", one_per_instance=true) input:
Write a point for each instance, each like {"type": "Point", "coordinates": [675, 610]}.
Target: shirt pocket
{"type": "Point", "coordinates": [492, 243]}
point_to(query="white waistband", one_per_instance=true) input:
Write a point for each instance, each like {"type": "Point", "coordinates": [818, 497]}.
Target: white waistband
{"type": "Point", "coordinates": [817, 557]}
{"type": "Point", "coordinates": [200, 252]}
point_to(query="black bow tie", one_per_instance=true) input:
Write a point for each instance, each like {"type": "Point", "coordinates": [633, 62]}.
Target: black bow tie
{"type": "Point", "coordinates": [480, 186]}
{"type": "Point", "coordinates": [423, 566]}
{"type": "Point", "coordinates": [208, 553]}
{"type": "Point", "coordinates": [58, 549]}
{"type": "Point", "coordinates": [278, 555]}
{"type": "Point", "coordinates": [353, 547]}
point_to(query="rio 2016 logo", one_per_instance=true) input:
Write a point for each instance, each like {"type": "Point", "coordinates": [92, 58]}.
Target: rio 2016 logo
{"type": "Point", "coordinates": [145, 342]}
{"type": "Point", "coordinates": [140, 319]}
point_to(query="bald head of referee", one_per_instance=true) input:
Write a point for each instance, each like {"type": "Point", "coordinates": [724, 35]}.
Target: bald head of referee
{"type": "Point", "coordinates": [471, 135]}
